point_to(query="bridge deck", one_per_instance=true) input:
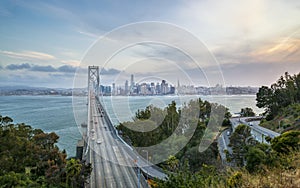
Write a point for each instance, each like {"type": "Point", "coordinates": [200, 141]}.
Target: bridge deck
{"type": "Point", "coordinates": [112, 166]}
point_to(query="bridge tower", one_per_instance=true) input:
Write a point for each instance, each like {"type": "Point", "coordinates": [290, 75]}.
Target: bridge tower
{"type": "Point", "coordinates": [93, 79]}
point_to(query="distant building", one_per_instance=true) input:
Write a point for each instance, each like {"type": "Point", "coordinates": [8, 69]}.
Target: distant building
{"type": "Point", "coordinates": [152, 88]}
{"type": "Point", "coordinates": [158, 88]}
{"type": "Point", "coordinates": [144, 89]}
{"type": "Point", "coordinates": [126, 92]}
{"type": "Point", "coordinates": [163, 87]}
{"type": "Point", "coordinates": [172, 90]}
{"type": "Point", "coordinates": [132, 84]}
{"type": "Point", "coordinates": [105, 90]}
{"type": "Point", "coordinates": [114, 92]}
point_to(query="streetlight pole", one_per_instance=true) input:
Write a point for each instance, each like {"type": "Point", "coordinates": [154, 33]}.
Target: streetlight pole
{"type": "Point", "coordinates": [147, 162]}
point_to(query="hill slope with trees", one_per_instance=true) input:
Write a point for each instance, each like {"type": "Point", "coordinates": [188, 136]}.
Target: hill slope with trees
{"type": "Point", "coordinates": [30, 158]}
{"type": "Point", "coordinates": [259, 165]}
{"type": "Point", "coordinates": [281, 102]}
{"type": "Point", "coordinates": [164, 122]}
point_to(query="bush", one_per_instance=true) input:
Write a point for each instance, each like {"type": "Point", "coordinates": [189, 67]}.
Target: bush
{"type": "Point", "coordinates": [286, 142]}
{"type": "Point", "coordinates": [255, 157]}
{"type": "Point", "coordinates": [235, 180]}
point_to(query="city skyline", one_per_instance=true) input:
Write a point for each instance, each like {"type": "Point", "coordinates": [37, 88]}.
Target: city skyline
{"type": "Point", "coordinates": [162, 87]}
{"type": "Point", "coordinates": [139, 88]}
{"type": "Point", "coordinates": [253, 43]}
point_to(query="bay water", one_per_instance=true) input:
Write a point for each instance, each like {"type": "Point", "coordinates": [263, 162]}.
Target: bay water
{"type": "Point", "coordinates": [55, 113]}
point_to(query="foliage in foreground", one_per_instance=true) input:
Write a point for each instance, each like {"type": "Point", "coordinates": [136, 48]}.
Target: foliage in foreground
{"type": "Point", "coordinates": [286, 175]}
{"type": "Point", "coordinates": [30, 158]}
{"type": "Point", "coordinates": [287, 119]}
{"type": "Point", "coordinates": [270, 168]}
{"type": "Point", "coordinates": [154, 125]}
{"type": "Point", "coordinates": [285, 92]}
{"type": "Point", "coordinates": [208, 176]}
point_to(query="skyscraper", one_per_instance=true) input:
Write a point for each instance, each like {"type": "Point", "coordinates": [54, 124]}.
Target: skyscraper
{"type": "Point", "coordinates": [126, 87]}
{"type": "Point", "coordinates": [114, 92]}
{"type": "Point", "coordinates": [163, 87]}
{"type": "Point", "coordinates": [132, 84]}
{"type": "Point", "coordinates": [158, 88]}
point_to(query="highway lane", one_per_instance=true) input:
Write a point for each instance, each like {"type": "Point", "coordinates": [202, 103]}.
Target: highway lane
{"type": "Point", "coordinates": [254, 125]}
{"type": "Point", "coordinates": [113, 155]}
{"type": "Point", "coordinates": [258, 132]}
{"type": "Point", "coordinates": [106, 156]}
{"type": "Point", "coordinates": [146, 166]}
{"type": "Point", "coordinates": [223, 144]}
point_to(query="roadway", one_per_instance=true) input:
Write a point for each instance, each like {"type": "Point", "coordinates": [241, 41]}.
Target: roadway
{"type": "Point", "coordinates": [149, 169]}
{"type": "Point", "coordinates": [223, 144]}
{"type": "Point", "coordinates": [112, 166]}
{"type": "Point", "coordinates": [258, 132]}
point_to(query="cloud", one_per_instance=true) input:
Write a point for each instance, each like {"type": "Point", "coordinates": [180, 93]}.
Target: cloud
{"type": "Point", "coordinates": [152, 50]}
{"type": "Point", "coordinates": [46, 68]}
{"type": "Point", "coordinates": [60, 75]}
{"type": "Point", "coordinates": [18, 67]}
{"type": "Point", "coordinates": [278, 50]}
{"type": "Point", "coordinates": [27, 55]}
{"type": "Point", "coordinates": [61, 69]}
{"type": "Point", "coordinates": [89, 34]}
{"type": "Point", "coordinates": [51, 80]}
{"type": "Point", "coordinates": [282, 50]}
{"type": "Point", "coordinates": [67, 69]}
{"type": "Point", "coordinates": [252, 73]}
{"type": "Point", "coordinates": [40, 68]}
{"type": "Point", "coordinates": [109, 71]}
{"type": "Point", "coordinates": [71, 62]}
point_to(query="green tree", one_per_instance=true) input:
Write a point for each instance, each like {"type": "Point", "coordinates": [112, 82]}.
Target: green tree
{"type": "Point", "coordinates": [188, 121]}
{"type": "Point", "coordinates": [286, 142]}
{"type": "Point", "coordinates": [5, 120]}
{"type": "Point", "coordinates": [172, 163]}
{"type": "Point", "coordinates": [76, 173]}
{"type": "Point", "coordinates": [265, 99]}
{"type": "Point", "coordinates": [284, 92]}
{"type": "Point", "coordinates": [30, 158]}
{"type": "Point", "coordinates": [255, 157]}
{"type": "Point", "coordinates": [12, 179]}
{"type": "Point", "coordinates": [208, 176]}
{"type": "Point", "coordinates": [247, 112]}
{"type": "Point", "coordinates": [239, 140]}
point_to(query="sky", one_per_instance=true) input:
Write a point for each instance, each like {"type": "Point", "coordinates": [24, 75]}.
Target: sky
{"type": "Point", "coordinates": [198, 42]}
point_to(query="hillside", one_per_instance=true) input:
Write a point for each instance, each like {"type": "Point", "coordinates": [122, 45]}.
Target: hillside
{"type": "Point", "coordinates": [287, 119]}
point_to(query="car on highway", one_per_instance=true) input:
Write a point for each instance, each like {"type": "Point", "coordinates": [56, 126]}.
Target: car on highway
{"type": "Point", "coordinates": [99, 141]}
{"type": "Point", "coordinates": [228, 133]}
{"type": "Point", "coordinates": [93, 130]}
